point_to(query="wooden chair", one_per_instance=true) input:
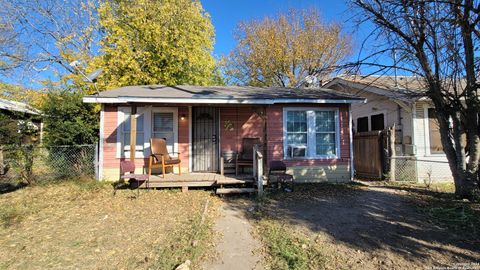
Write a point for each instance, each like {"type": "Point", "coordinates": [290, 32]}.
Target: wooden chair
{"type": "Point", "coordinates": [245, 157]}
{"type": "Point", "coordinates": [160, 158]}
{"type": "Point", "coordinates": [278, 169]}
{"type": "Point", "coordinates": [127, 171]}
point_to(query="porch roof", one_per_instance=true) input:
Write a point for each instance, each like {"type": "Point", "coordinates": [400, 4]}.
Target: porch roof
{"type": "Point", "coordinates": [220, 95]}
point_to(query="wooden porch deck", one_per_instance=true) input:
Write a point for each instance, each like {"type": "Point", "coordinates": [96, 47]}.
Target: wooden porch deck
{"type": "Point", "coordinates": [196, 180]}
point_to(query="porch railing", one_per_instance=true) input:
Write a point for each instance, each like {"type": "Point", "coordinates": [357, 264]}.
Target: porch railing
{"type": "Point", "coordinates": [258, 173]}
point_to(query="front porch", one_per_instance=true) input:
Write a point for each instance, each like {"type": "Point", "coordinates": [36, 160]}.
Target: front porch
{"type": "Point", "coordinates": [186, 180]}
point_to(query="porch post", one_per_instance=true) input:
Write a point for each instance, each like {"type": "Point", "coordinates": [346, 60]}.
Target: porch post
{"type": "Point", "coordinates": [133, 132]}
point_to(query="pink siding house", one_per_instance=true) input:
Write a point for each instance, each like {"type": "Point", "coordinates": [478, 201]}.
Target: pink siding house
{"type": "Point", "coordinates": [308, 129]}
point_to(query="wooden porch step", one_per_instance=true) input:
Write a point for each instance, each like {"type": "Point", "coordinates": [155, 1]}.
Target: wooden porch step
{"type": "Point", "coordinates": [233, 181]}
{"type": "Point", "coordinates": [167, 184]}
{"type": "Point", "coordinates": [235, 190]}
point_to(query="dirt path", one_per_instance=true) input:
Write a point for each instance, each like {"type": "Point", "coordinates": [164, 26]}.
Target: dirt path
{"type": "Point", "coordinates": [372, 228]}
{"type": "Point", "coordinates": [236, 248]}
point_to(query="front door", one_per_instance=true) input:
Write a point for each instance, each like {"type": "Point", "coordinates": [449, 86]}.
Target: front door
{"type": "Point", "coordinates": [205, 139]}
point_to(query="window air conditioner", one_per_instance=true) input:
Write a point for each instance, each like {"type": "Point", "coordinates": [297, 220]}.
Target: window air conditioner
{"type": "Point", "coordinates": [295, 151]}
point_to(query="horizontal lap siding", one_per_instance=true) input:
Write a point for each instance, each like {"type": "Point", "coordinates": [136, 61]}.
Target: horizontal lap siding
{"type": "Point", "coordinates": [111, 163]}
{"type": "Point", "coordinates": [246, 124]}
{"type": "Point", "coordinates": [310, 170]}
{"type": "Point", "coordinates": [183, 137]}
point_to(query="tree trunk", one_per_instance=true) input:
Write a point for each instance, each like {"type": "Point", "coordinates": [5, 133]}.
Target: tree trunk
{"type": "Point", "coordinates": [465, 175]}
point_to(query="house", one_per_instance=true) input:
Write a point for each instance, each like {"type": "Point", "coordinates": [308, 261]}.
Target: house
{"type": "Point", "coordinates": [22, 111]}
{"type": "Point", "coordinates": [400, 102]}
{"type": "Point", "coordinates": [308, 129]}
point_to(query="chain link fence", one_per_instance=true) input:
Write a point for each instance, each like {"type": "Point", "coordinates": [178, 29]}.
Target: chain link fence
{"type": "Point", "coordinates": [42, 163]}
{"type": "Point", "coordinates": [427, 170]}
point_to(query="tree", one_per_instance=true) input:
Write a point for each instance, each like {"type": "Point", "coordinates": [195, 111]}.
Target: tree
{"type": "Point", "coordinates": [69, 121]}
{"type": "Point", "coordinates": [283, 50]}
{"type": "Point", "coordinates": [39, 36]}
{"type": "Point", "coordinates": [155, 42]}
{"type": "Point", "coordinates": [438, 41]}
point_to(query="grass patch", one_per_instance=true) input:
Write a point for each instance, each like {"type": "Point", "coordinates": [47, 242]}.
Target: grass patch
{"type": "Point", "coordinates": [288, 246]}
{"type": "Point", "coordinates": [80, 224]}
{"type": "Point", "coordinates": [445, 187]}
{"type": "Point", "coordinates": [289, 249]}
{"type": "Point", "coordinates": [461, 217]}
{"type": "Point", "coordinates": [11, 214]}
{"type": "Point", "coordinates": [189, 243]}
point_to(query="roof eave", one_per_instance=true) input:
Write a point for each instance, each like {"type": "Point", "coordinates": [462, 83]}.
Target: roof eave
{"type": "Point", "coordinates": [123, 100]}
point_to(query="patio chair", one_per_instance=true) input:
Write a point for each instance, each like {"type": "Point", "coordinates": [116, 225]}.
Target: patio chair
{"type": "Point", "coordinates": [245, 157]}
{"type": "Point", "coordinates": [278, 169]}
{"type": "Point", "coordinates": [127, 171]}
{"type": "Point", "coordinates": [160, 158]}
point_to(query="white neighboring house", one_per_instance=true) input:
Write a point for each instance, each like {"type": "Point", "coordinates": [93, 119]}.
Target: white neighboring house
{"type": "Point", "coordinates": [402, 102]}
{"type": "Point", "coordinates": [20, 111]}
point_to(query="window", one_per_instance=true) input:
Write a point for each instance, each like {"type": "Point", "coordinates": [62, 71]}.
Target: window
{"type": "Point", "coordinates": [163, 127]}
{"type": "Point", "coordinates": [325, 133]}
{"type": "Point", "coordinates": [434, 133]}
{"type": "Point", "coordinates": [296, 133]}
{"type": "Point", "coordinates": [362, 124]}
{"type": "Point", "coordinates": [311, 133]}
{"type": "Point", "coordinates": [124, 116]}
{"type": "Point", "coordinates": [377, 121]}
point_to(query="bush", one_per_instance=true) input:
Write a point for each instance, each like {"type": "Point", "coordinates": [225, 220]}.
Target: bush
{"type": "Point", "coordinates": [69, 121]}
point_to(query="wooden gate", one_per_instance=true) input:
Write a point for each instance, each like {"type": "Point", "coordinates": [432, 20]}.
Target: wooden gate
{"type": "Point", "coordinates": [205, 139]}
{"type": "Point", "coordinates": [368, 154]}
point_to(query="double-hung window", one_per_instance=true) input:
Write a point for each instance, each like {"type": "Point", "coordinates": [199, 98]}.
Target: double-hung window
{"type": "Point", "coordinates": [311, 133]}
{"type": "Point", "coordinates": [124, 132]}
{"type": "Point", "coordinates": [163, 126]}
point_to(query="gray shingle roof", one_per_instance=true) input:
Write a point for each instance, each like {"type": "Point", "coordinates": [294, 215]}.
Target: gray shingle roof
{"type": "Point", "coordinates": [219, 93]}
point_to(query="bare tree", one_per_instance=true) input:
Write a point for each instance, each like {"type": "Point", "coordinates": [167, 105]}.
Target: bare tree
{"type": "Point", "coordinates": [45, 36]}
{"type": "Point", "coordinates": [438, 41]}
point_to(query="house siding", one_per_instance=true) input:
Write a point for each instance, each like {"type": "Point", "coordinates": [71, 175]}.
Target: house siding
{"type": "Point", "coordinates": [247, 122]}
{"type": "Point", "coordinates": [310, 170]}
{"type": "Point", "coordinates": [111, 163]}
{"type": "Point", "coordinates": [434, 166]}
{"type": "Point", "coordinates": [412, 134]}
{"type": "Point", "coordinates": [393, 114]}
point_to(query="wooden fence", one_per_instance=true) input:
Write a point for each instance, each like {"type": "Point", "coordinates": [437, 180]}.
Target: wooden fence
{"type": "Point", "coordinates": [368, 154]}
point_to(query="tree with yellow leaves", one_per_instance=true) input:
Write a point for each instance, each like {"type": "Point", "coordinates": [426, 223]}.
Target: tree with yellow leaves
{"type": "Point", "coordinates": [283, 50]}
{"type": "Point", "coordinates": [155, 42]}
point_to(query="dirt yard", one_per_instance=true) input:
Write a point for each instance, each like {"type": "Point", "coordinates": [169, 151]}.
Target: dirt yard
{"type": "Point", "coordinates": [83, 226]}
{"type": "Point", "coordinates": [359, 227]}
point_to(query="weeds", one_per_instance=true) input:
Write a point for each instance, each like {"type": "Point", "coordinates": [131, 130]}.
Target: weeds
{"type": "Point", "coordinates": [459, 217]}
{"type": "Point", "coordinates": [13, 213]}
{"type": "Point", "coordinates": [97, 230]}
{"type": "Point", "coordinates": [289, 249]}
{"type": "Point", "coordinates": [189, 243]}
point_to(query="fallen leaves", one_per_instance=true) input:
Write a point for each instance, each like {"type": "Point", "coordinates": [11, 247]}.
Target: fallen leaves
{"type": "Point", "coordinates": [64, 225]}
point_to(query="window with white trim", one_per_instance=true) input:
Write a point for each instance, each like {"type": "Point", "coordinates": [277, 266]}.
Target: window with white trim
{"type": "Point", "coordinates": [163, 127]}
{"type": "Point", "coordinates": [124, 132]}
{"type": "Point", "coordinates": [325, 136]}
{"type": "Point", "coordinates": [311, 133]}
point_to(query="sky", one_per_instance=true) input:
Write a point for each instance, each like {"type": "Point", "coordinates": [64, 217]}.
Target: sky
{"type": "Point", "coordinates": [227, 14]}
